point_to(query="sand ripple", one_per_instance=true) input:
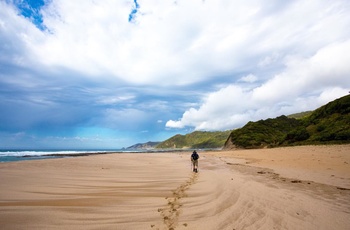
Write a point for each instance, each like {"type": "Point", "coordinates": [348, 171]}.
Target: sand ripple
{"type": "Point", "coordinates": [233, 190]}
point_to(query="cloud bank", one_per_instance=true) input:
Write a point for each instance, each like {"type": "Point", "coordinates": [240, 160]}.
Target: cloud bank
{"type": "Point", "coordinates": [305, 84]}
{"type": "Point", "coordinates": [114, 69]}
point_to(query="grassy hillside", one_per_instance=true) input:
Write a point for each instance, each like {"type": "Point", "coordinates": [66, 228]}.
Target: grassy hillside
{"type": "Point", "coordinates": [197, 139]}
{"type": "Point", "coordinates": [300, 115]}
{"type": "Point", "coordinates": [147, 145]}
{"type": "Point", "coordinates": [270, 132]}
{"type": "Point", "coordinates": [328, 124]}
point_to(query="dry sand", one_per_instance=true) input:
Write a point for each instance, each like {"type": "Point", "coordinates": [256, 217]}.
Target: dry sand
{"type": "Point", "coordinates": [284, 188]}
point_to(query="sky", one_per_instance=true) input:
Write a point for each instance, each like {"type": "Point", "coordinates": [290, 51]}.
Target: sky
{"type": "Point", "coordinates": [109, 74]}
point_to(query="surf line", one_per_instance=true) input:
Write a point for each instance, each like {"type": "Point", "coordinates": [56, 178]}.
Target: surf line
{"type": "Point", "coordinates": [170, 214]}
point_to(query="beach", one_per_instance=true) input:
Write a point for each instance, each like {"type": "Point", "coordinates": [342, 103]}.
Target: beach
{"type": "Point", "coordinates": [304, 187]}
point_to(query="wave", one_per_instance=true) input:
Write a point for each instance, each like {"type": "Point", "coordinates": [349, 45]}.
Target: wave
{"type": "Point", "coordinates": [22, 153]}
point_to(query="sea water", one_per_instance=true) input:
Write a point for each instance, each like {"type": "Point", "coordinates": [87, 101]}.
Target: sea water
{"type": "Point", "coordinates": [21, 155]}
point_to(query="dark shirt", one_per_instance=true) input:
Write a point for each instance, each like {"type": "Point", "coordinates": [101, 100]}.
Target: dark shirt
{"type": "Point", "coordinates": [194, 156]}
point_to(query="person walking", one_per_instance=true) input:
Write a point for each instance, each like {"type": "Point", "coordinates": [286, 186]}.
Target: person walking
{"type": "Point", "coordinates": [194, 159]}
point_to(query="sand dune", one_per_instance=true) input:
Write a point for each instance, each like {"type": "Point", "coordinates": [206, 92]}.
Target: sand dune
{"type": "Point", "coordinates": [285, 188]}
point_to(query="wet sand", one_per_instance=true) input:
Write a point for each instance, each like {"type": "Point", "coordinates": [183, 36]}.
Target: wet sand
{"type": "Point", "coordinates": [305, 187]}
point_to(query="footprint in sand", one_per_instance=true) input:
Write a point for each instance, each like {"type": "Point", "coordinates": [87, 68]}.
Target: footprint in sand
{"type": "Point", "coordinates": [170, 214]}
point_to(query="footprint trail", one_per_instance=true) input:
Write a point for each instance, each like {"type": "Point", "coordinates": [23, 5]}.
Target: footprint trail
{"type": "Point", "coordinates": [170, 214]}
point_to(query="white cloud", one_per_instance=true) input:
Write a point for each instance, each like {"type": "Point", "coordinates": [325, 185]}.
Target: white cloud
{"type": "Point", "coordinates": [327, 68]}
{"type": "Point", "coordinates": [177, 43]}
{"type": "Point", "coordinates": [304, 85]}
{"type": "Point", "coordinates": [216, 112]}
{"type": "Point", "coordinates": [16, 37]}
{"type": "Point", "coordinates": [250, 78]}
{"type": "Point", "coordinates": [269, 60]}
{"type": "Point", "coordinates": [94, 65]}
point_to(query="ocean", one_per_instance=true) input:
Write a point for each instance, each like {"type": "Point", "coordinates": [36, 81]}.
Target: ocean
{"type": "Point", "coordinates": [21, 155]}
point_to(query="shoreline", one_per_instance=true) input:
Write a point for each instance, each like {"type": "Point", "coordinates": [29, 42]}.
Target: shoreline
{"type": "Point", "coordinates": [80, 153]}
{"type": "Point", "coordinates": [74, 153]}
{"type": "Point", "coordinates": [281, 188]}
{"type": "Point", "coordinates": [22, 155]}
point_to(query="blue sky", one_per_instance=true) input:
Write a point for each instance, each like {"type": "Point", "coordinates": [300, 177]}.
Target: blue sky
{"type": "Point", "coordinates": [109, 74]}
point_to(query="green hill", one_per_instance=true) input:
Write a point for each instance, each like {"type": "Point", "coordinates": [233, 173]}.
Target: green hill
{"type": "Point", "coordinates": [270, 132]}
{"type": "Point", "coordinates": [197, 139]}
{"type": "Point", "coordinates": [300, 115]}
{"type": "Point", "coordinates": [327, 125]}
{"type": "Point", "coordinates": [330, 123]}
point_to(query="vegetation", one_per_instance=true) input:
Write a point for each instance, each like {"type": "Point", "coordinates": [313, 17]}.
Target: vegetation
{"type": "Point", "coordinates": [197, 139]}
{"type": "Point", "coordinates": [328, 124]}
{"type": "Point", "coordinates": [300, 115]}
{"type": "Point", "coordinates": [270, 132]}
{"type": "Point", "coordinates": [147, 145]}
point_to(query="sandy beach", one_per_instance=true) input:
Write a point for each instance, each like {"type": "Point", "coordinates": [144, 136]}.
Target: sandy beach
{"type": "Point", "coordinates": [306, 187]}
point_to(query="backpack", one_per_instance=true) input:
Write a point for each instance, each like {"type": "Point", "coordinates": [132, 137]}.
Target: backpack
{"type": "Point", "coordinates": [195, 156]}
